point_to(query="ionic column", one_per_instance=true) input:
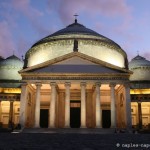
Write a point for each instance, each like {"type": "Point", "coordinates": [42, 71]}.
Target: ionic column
{"type": "Point", "coordinates": [52, 105]}
{"type": "Point", "coordinates": [11, 113]}
{"type": "Point", "coordinates": [37, 106]}
{"type": "Point", "coordinates": [128, 106]}
{"type": "Point", "coordinates": [113, 108]}
{"type": "Point", "coordinates": [140, 115]}
{"type": "Point", "coordinates": [67, 105]}
{"type": "Point", "coordinates": [98, 107]}
{"type": "Point", "coordinates": [83, 105]}
{"type": "Point", "coordinates": [23, 105]}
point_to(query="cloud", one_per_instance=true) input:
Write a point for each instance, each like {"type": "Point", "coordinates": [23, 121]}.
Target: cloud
{"type": "Point", "coordinates": [10, 14]}
{"type": "Point", "coordinates": [32, 13]}
{"type": "Point", "coordinates": [25, 7]}
{"type": "Point", "coordinates": [110, 8]}
{"type": "Point", "coordinates": [6, 40]}
{"type": "Point", "coordinates": [146, 55]}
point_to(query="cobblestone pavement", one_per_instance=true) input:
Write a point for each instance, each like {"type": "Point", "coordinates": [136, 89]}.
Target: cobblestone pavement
{"type": "Point", "coordinates": [72, 141]}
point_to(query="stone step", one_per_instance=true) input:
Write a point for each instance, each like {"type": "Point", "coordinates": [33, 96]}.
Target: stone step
{"type": "Point", "coordinates": [69, 130]}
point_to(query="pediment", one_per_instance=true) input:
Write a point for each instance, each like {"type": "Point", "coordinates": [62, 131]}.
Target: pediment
{"type": "Point", "coordinates": [74, 63]}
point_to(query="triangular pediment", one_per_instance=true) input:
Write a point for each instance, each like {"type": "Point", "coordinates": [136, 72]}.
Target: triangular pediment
{"type": "Point", "coordinates": [74, 63]}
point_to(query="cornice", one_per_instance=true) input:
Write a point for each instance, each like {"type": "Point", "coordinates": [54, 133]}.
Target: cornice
{"type": "Point", "coordinates": [67, 76]}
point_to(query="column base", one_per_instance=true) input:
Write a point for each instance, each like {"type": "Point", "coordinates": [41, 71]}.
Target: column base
{"type": "Point", "coordinates": [83, 127]}
{"type": "Point", "coordinates": [98, 127]}
{"type": "Point", "coordinates": [113, 127]}
{"type": "Point", "coordinates": [36, 127]}
{"type": "Point", "coordinates": [66, 127]}
{"type": "Point", "coordinates": [51, 127]}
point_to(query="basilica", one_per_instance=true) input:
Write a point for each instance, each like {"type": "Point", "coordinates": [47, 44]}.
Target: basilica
{"type": "Point", "coordinates": [75, 78]}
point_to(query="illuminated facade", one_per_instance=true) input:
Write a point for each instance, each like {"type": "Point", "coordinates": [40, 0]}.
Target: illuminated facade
{"type": "Point", "coordinates": [10, 83]}
{"type": "Point", "coordinates": [72, 78]}
{"type": "Point", "coordinates": [140, 92]}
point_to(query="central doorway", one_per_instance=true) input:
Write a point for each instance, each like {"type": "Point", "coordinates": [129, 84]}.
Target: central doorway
{"type": "Point", "coordinates": [44, 118]}
{"type": "Point", "coordinates": [106, 119]}
{"type": "Point", "coordinates": [75, 114]}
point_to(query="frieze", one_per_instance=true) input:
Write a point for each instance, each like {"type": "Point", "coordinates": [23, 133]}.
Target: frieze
{"type": "Point", "coordinates": [9, 97]}
{"type": "Point", "coordinates": [75, 78]}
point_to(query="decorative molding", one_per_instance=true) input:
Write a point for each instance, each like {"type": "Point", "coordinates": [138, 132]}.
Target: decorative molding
{"type": "Point", "coordinates": [83, 84]}
{"type": "Point", "coordinates": [10, 67]}
{"type": "Point", "coordinates": [98, 84]}
{"type": "Point", "coordinates": [68, 40]}
{"type": "Point", "coordinates": [72, 78]}
{"type": "Point", "coordinates": [112, 84]}
{"type": "Point", "coordinates": [8, 97]}
{"type": "Point", "coordinates": [75, 54]}
{"type": "Point", "coordinates": [67, 84]}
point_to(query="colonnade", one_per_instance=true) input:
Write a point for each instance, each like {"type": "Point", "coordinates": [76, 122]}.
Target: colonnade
{"type": "Point", "coordinates": [67, 86]}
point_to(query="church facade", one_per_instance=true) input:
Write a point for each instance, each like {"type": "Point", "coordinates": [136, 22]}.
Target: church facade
{"type": "Point", "coordinates": [75, 78]}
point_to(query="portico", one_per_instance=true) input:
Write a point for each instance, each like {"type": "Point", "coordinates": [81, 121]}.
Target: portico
{"type": "Point", "coordinates": [95, 95]}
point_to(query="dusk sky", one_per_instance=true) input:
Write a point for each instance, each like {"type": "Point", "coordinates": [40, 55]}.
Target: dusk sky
{"type": "Point", "coordinates": [23, 22]}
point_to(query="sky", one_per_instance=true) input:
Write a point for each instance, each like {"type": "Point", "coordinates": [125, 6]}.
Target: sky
{"type": "Point", "coordinates": [24, 22]}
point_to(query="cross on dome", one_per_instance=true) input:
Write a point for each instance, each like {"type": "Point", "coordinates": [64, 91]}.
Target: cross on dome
{"type": "Point", "coordinates": [76, 15]}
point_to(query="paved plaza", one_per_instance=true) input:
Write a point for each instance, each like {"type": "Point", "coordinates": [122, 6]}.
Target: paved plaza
{"type": "Point", "coordinates": [73, 141]}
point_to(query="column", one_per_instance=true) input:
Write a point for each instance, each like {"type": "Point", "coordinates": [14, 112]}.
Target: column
{"type": "Point", "coordinates": [37, 106]}
{"type": "Point", "coordinates": [11, 113]}
{"type": "Point", "coordinates": [0, 112]}
{"type": "Point", "coordinates": [23, 104]}
{"type": "Point", "coordinates": [52, 105]}
{"type": "Point", "coordinates": [67, 105]}
{"type": "Point", "coordinates": [140, 115]}
{"type": "Point", "coordinates": [98, 106]}
{"type": "Point", "coordinates": [83, 104]}
{"type": "Point", "coordinates": [128, 107]}
{"type": "Point", "coordinates": [113, 108]}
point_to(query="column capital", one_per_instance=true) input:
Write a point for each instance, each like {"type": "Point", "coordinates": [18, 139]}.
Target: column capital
{"type": "Point", "coordinates": [127, 85]}
{"type": "Point", "coordinates": [38, 84]}
{"type": "Point", "coordinates": [53, 83]}
{"type": "Point", "coordinates": [112, 84]}
{"type": "Point", "coordinates": [98, 84]}
{"type": "Point", "coordinates": [67, 84]}
{"type": "Point", "coordinates": [83, 84]}
{"type": "Point", "coordinates": [24, 84]}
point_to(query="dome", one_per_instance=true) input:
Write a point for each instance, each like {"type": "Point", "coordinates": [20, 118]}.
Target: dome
{"type": "Point", "coordinates": [140, 67]}
{"type": "Point", "coordinates": [89, 42]}
{"type": "Point", "coordinates": [138, 61]}
{"type": "Point", "coordinates": [9, 68]}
